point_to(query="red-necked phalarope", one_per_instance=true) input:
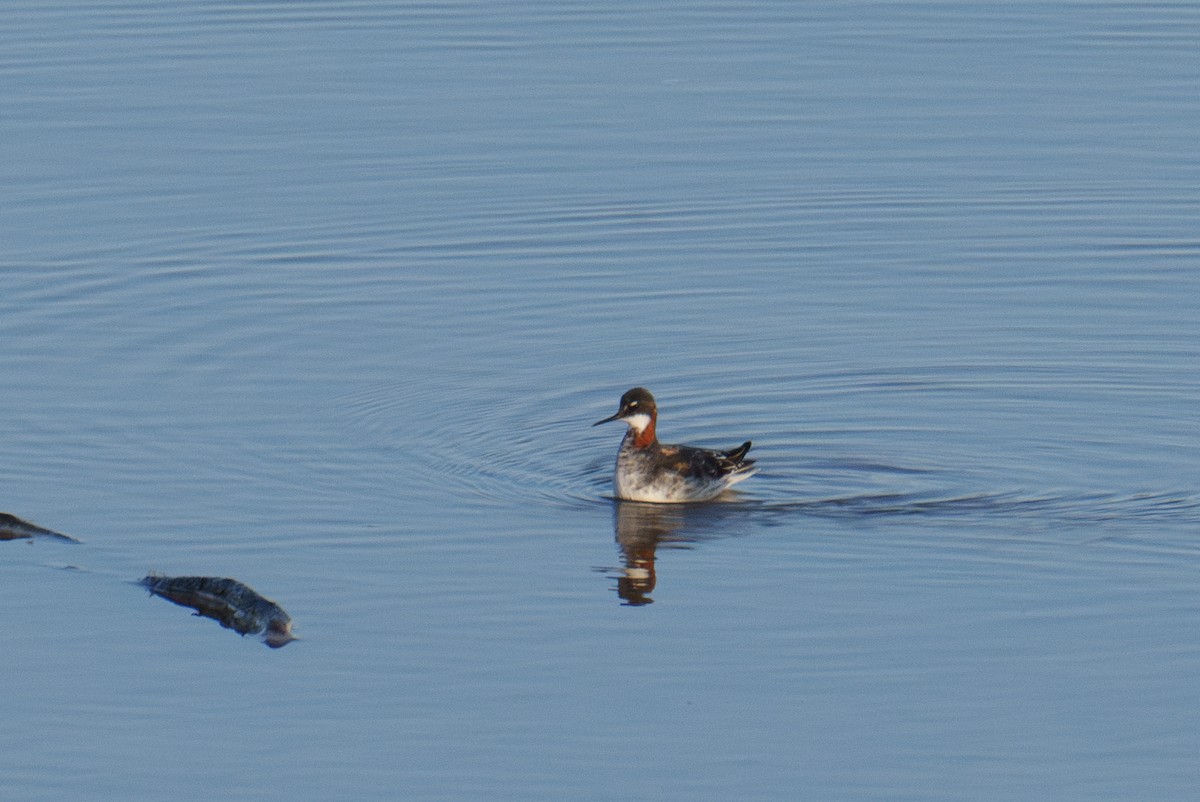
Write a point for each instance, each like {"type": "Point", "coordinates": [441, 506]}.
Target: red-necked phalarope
{"type": "Point", "coordinates": [648, 470]}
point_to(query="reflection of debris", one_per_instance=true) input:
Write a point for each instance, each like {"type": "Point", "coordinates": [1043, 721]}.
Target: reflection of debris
{"type": "Point", "coordinates": [233, 605]}
{"type": "Point", "coordinates": [13, 528]}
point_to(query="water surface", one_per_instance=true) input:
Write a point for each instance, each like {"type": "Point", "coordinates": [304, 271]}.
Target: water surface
{"type": "Point", "coordinates": [325, 297]}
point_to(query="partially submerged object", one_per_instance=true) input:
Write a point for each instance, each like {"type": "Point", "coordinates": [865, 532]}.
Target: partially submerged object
{"type": "Point", "coordinates": [228, 602]}
{"type": "Point", "coordinates": [13, 528]}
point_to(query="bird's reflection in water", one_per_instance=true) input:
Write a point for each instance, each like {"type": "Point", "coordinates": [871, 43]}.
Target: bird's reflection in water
{"type": "Point", "coordinates": [641, 528]}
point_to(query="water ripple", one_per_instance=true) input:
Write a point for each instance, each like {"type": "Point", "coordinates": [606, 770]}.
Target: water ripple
{"type": "Point", "coordinates": [513, 446]}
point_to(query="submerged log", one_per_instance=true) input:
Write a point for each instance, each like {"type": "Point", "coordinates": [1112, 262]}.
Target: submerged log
{"type": "Point", "coordinates": [13, 528]}
{"type": "Point", "coordinates": [228, 602]}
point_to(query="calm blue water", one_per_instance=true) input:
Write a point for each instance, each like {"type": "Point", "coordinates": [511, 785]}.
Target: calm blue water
{"type": "Point", "coordinates": [325, 297]}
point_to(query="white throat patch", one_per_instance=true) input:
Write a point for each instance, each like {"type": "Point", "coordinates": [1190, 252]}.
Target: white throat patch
{"type": "Point", "coordinates": [638, 422]}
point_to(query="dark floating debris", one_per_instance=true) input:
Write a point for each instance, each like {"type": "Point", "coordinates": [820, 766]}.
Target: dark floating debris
{"type": "Point", "coordinates": [13, 528]}
{"type": "Point", "coordinates": [228, 602]}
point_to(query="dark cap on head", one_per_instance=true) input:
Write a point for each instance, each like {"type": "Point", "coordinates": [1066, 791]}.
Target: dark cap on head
{"type": "Point", "coordinates": [637, 401]}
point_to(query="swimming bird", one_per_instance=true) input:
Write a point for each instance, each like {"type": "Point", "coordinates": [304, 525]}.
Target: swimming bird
{"type": "Point", "coordinates": [648, 470]}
